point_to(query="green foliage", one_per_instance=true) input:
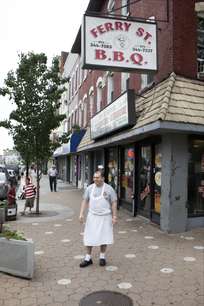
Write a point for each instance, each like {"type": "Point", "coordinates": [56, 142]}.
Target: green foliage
{"type": "Point", "coordinates": [35, 89]}
{"type": "Point", "coordinates": [12, 234]}
{"type": "Point", "coordinates": [3, 203]}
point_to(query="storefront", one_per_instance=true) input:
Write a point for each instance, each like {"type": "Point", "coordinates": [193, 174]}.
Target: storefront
{"type": "Point", "coordinates": [157, 165]}
{"type": "Point", "coordinates": [68, 163]}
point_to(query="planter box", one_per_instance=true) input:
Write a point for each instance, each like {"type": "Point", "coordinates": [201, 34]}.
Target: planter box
{"type": "Point", "coordinates": [2, 215]}
{"type": "Point", "coordinates": [17, 257]}
{"type": "Point", "coordinates": [11, 212]}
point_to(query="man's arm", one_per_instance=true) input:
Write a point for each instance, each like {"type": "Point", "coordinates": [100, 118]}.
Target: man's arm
{"type": "Point", "coordinates": [114, 212]}
{"type": "Point", "coordinates": [84, 205]}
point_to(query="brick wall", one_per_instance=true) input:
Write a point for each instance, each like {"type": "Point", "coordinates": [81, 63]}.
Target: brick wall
{"type": "Point", "coordinates": [176, 41]}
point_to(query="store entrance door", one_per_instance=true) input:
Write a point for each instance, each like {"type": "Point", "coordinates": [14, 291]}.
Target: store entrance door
{"type": "Point", "coordinates": [127, 167]}
{"type": "Point", "coordinates": [149, 182]}
{"type": "Point", "coordinates": [144, 182]}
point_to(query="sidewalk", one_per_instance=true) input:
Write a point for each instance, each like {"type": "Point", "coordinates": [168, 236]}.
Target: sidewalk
{"type": "Point", "coordinates": [151, 267]}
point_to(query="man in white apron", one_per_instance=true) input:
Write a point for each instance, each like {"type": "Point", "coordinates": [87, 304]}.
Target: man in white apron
{"type": "Point", "coordinates": [101, 200]}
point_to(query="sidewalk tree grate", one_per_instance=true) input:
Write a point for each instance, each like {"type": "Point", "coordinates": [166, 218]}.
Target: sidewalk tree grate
{"type": "Point", "coordinates": [106, 298]}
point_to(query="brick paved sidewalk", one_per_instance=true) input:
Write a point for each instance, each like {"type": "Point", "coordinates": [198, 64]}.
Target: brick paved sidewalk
{"type": "Point", "coordinates": [134, 263]}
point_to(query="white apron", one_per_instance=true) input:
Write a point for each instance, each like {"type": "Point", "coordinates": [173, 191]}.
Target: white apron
{"type": "Point", "coordinates": [99, 227]}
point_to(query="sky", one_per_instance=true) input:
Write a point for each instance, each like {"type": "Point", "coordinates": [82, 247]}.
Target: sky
{"type": "Point", "coordinates": [48, 26]}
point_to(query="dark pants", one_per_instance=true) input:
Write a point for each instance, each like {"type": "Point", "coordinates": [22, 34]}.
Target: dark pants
{"type": "Point", "coordinates": [53, 181]}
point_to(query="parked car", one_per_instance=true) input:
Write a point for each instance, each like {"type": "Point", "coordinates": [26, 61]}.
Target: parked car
{"type": "Point", "coordinates": [12, 176]}
{"type": "Point", "coordinates": [4, 185]}
{"type": "Point", "coordinates": [14, 168]}
{"type": "Point", "coordinates": [3, 169]}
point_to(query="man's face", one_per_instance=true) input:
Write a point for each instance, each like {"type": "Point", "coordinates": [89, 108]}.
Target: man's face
{"type": "Point", "coordinates": [98, 179]}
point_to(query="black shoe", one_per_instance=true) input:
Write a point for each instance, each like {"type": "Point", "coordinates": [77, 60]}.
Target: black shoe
{"type": "Point", "coordinates": [102, 262]}
{"type": "Point", "coordinates": [86, 263]}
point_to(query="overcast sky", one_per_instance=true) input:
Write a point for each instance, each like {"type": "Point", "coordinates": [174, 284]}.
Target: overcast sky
{"type": "Point", "coordinates": [48, 26]}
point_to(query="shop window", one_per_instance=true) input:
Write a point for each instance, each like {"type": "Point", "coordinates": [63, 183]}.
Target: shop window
{"type": "Point", "coordinates": [112, 162]}
{"type": "Point", "coordinates": [127, 174]}
{"type": "Point", "coordinates": [196, 178]}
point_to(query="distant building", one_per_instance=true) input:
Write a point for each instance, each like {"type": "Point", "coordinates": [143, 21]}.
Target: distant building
{"type": "Point", "coordinates": [11, 156]}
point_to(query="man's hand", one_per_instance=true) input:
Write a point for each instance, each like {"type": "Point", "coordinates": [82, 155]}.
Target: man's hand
{"type": "Point", "coordinates": [81, 219]}
{"type": "Point", "coordinates": [83, 206]}
{"type": "Point", "coordinates": [114, 219]}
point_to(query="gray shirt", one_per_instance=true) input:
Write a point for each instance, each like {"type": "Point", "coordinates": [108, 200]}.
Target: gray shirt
{"type": "Point", "coordinates": [109, 193]}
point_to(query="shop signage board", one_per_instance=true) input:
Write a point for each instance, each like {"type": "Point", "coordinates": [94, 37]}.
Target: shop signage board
{"type": "Point", "coordinates": [119, 44]}
{"type": "Point", "coordinates": [118, 115]}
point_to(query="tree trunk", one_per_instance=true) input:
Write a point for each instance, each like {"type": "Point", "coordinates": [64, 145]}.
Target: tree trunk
{"type": "Point", "coordinates": [27, 168]}
{"type": "Point", "coordinates": [38, 177]}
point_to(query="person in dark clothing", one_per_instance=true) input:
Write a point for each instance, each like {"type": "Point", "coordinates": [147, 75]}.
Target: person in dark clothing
{"type": "Point", "coordinates": [11, 194]}
{"type": "Point", "coordinates": [53, 178]}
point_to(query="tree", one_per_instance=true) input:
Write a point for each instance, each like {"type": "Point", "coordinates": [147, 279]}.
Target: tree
{"type": "Point", "coordinates": [35, 89]}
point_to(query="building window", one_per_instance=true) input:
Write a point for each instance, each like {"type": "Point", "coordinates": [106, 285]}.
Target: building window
{"type": "Point", "coordinates": [125, 10]}
{"type": "Point", "coordinates": [85, 74]}
{"type": "Point", "coordinates": [200, 46]}
{"type": "Point", "coordinates": [125, 77]}
{"type": "Point", "coordinates": [99, 85]}
{"type": "Point", "coordinates": [110, 6]}
{"type": "Point", "coordinates": [196, 178]}
{"type": "Point", "coordinates": [80, 114]}
{"type": "Point", "coordinates": [65, 126]}
{"type": "Point", "coordinates": [85, 107]}
{"type": "Point", "coordinates": [81, 75]}
{"type": "Point", "coordinates": [146, 79]}
{"type": "Point", "coordinates": [110, 87]}
{"type": "Point", "coordinates": [72, 119]}
{"type": "Point", "coordinates": [91, 102]}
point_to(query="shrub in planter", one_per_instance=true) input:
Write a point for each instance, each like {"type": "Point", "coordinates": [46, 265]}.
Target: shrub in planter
{"type": "Point", "coordinates": [17, 254]}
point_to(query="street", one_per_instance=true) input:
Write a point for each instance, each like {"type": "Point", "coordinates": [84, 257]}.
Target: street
{"type": "Point", "coordinates": [149, 266]}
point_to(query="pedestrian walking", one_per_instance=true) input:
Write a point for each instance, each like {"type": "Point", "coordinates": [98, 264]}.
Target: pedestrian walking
{"type": "Point", "coordinates": [52, 172]}
{"type": "Point", "coordinates": [30, 191]}
{"type": "Point", "coordinates": [101, 201]}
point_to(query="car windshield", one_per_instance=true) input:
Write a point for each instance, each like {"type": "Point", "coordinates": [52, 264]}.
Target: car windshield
{"type": "Point", "coordinates": [2, 169]}
{"type": "Point", "coordinates": [2, 177]}
{"type": "Point", "coordinates": [11, 172]}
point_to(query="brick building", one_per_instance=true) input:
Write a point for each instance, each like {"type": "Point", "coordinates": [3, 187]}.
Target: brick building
{"type": "Point", "coordinates": [156, 163]}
